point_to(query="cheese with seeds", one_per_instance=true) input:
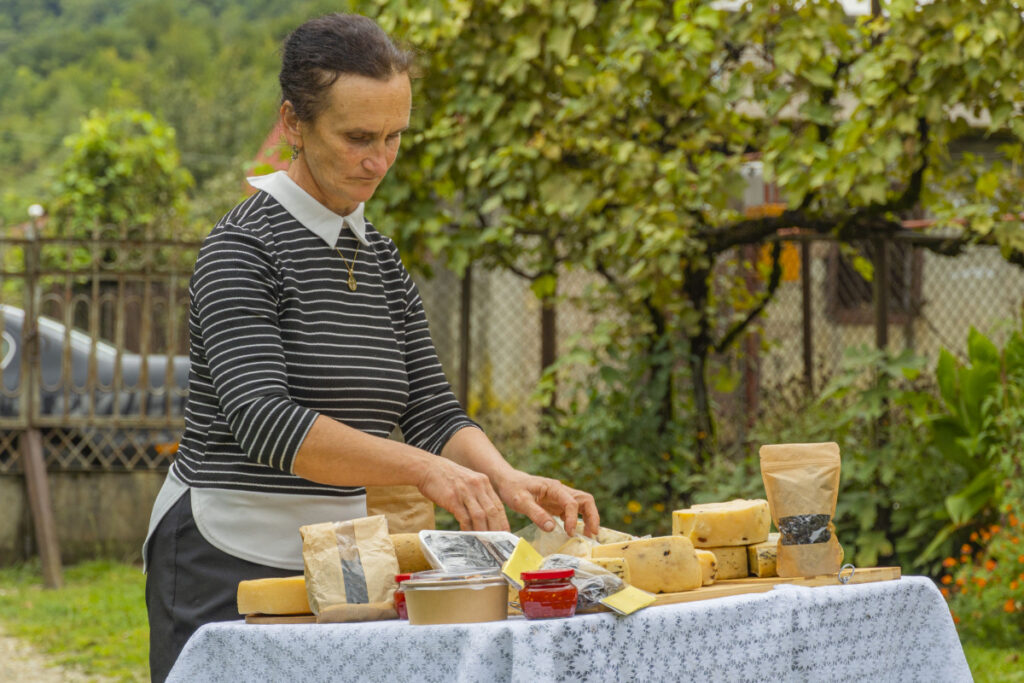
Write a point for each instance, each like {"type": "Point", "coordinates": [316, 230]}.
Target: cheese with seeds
{"type": "Point", "coordinates": [616, 565]}
{"type": "Point", "coordinates": [761, 556]}
{"type": "Point", "coordinates": [664, 564]}
{"type": "Point", "coordinates": [708, 566]}
{"type": "Point", "coordinates": [712, 525]}
{"type": "Point", "coordinates": [732, 562]}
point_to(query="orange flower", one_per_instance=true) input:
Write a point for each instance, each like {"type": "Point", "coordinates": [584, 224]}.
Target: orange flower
{"type": "Point", "coordinates": [947, 579]}
{"type": "Point", "coordinates": [981, 581]}
{"type": "Point", "coordinates": [956, 619]}
{"type": "Point", "coordinates": [1009, 606]}
{"type": "Point", "coordinates": [966, 548]}
{"type": "Point", "coordinates": [1013, 585]}
{"type": "Point", "coordinates": [1020, 558]}
{"type": "Point", "coordinates": [960, 581]}
{"type": "Point", "coordinates": [965, 558]}
{"type": "Point", "coordinates": [984, 535]}
{"type": "Point", "coordinates": [990, 565]}
{"type": "Point", "coordinates": [1015, 540]}
{"type": "Point", "coordinates": [945, 592]}
{"type": "Point", "coordinates": [1013, 520]}
{"type": "Point", "coordinates": [948, 562]}
{"type": "Point", "coordinates": [994, 528]}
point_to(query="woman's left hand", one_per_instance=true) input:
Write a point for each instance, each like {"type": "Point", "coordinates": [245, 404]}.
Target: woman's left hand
{"type": "Point", "coordinates": [541, 497]}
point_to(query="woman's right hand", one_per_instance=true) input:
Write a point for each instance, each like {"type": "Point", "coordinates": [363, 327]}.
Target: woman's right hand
{"type": "Point", "coordinates": [465, 493]}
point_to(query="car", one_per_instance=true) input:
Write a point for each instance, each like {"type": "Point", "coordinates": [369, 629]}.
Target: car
{"type": "Point", "coordinates": [69, 398]}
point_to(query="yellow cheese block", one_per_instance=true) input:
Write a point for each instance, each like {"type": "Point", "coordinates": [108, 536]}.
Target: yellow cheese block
{"type": "Point", "coordinates": [732, 561]}
{"type": "Point", "coordinates": [708, 566]}
{"type": "Point", "coordinates": [273, 596]}
{"type": "Point", "coordinates": [409, 553]}
{"type": "Point", "coordinates": [712, 525]}
{"type": "Point", "coordinates": [616, 565]}
{"type": "Point", "coordinates": [664, 564]}
{"type": "Point", "coordinates": [761, 557]}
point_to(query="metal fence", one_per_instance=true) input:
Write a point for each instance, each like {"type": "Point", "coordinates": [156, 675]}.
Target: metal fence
{"type": "Point", "coordinates": [94, 348]}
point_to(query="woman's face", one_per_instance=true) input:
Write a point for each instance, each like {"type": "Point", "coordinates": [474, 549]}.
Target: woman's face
{"type": "Point", "coordinates": [349, 147]}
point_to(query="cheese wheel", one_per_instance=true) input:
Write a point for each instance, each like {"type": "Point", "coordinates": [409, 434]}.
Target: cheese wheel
{"type": "Point", "coordinates": [273, 596]}
{"type": "Point", "coordinates": [664, 564]}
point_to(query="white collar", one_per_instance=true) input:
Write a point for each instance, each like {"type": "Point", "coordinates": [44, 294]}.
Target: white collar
{"type": "Point", "coordinates": [320, 220]}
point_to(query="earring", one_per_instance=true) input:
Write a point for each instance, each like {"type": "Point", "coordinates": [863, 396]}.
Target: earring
{"type": "Point", "coordinates": [295, 152]}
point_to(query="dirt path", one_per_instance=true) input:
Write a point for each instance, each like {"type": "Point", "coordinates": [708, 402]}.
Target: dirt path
{"type": "Point", "coordinates": [21, 663]}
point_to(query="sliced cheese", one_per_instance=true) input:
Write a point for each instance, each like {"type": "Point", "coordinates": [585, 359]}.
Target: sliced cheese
{"type": "Point", "coordinates": [273, 596]}
{"type": "Point", "coordinates": [712, 525]}
{"type": "Point", "coordinates": [708, 566]}
{"type": "Point", "coordinates": [664, 564]}
{"type": "Point", "coordinates": [616, 565]}
{"type": "Point", "coordinates": [761, 556]}
{"type": "Point", "coordinates": [409, 553]}
{"type": "Point", "coordinates": [732, 562]}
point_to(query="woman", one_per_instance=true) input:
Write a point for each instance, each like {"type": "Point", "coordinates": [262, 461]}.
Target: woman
{"type": "Point", "coordinates": [308, 346]}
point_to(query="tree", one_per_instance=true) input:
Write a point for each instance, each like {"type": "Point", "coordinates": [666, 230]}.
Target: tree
{"type": "Point", "coordinates": [124, 171]}
{"type": "Point", "coordinates": [613, 136]}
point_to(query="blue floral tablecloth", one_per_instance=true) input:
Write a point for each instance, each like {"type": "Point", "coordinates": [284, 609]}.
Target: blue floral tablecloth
{"type": "Point", "coordinates": [886, 631]}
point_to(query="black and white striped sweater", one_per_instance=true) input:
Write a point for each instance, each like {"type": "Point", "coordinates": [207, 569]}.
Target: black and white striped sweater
{"type": "Point", "coordinates": [277, 337]}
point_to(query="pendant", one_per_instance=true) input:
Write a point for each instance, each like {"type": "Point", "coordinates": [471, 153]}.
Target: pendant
{"type": "Point", "coordinates": [352, 282]}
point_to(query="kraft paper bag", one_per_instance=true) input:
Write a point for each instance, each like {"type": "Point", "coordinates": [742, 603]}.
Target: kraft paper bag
{"type": "Point", "coordinates": [407, 510]}
{"type": "Point", "coordinates": [802, 483]}
{"type": "Point", "coordinates": [350, 568]}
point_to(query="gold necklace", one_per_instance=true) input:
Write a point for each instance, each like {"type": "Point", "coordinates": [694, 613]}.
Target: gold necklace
{"type": "Point", "coordinates": [350, 266]}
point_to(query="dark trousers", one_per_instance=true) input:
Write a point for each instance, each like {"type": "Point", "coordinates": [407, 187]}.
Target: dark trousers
{"type": "Point", "coordinates": [190, 583]}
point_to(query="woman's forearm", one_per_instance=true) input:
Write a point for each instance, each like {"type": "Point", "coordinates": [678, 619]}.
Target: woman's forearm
{"type": "Point", "coordinates": [471, 448]}
{"type": "Point", "coordinates": [336, 454]}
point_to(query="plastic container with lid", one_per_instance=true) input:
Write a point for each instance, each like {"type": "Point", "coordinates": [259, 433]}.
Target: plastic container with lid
{"type": "Point", "coordinates": [548, 593]}
{"type": "Point", "coordinates": [465, 597]}
{"type": "Point", "coordinates": [400, 605]}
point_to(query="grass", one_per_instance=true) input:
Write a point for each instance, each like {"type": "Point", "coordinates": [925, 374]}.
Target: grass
{"type": "Point", "coordinates": [97, 623]}
{"type": "Point", "coordinates": [994, 664]}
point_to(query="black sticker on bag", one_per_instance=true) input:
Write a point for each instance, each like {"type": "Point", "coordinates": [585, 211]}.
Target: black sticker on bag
{"type": "Point", "coordinates": [804, 529]}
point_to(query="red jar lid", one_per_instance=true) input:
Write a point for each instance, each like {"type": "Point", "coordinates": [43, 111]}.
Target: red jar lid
{"type": "Point", "coordinates": [399, 578]}
{"type": "Point", "coordinates": [544, 574]}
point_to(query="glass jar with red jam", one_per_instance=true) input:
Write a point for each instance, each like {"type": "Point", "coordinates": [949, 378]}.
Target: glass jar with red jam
{"type": "Point", "coordinates": [548, 593]}
{"type": "Point", "coordinates": [403, 613]}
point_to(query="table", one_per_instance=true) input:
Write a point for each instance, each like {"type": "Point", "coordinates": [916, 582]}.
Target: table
{"type": "Point", "coordinates": [887, 631]}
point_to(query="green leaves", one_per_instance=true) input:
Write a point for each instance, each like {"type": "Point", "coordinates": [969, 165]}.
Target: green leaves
{"type": "Point", "coordinates": [123, 170]}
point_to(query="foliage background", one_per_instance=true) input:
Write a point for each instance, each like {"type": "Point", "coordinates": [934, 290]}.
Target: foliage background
{"type": "Point", "coordinates": [611, 138]}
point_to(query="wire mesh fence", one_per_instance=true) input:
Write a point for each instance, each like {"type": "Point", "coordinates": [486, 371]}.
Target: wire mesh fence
{"type": "Point", "coordinates": [104, 378]}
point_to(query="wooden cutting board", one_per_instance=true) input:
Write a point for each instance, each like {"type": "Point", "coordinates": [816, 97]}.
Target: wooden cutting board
{"type": "Point", "coordinates": [280, 619]}
{"type": "Point", "coordinates": [719, 589]}
{"type": "Point", "coordinates": [755, 585]}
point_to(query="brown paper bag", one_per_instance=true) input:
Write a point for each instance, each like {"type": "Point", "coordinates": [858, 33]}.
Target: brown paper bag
{"type": "Point", "coordinates": [407, 510]}
{"type": "Point", "coordinates": [349, 562]}
{"type": "Point", "coordinates": [802, 483]}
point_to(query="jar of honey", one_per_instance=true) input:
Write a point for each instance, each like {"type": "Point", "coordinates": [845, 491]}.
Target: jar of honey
{"type": "Point", "coordinates": [400, 606]}
{"type": "Point", "coordinates": [548, 593]}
